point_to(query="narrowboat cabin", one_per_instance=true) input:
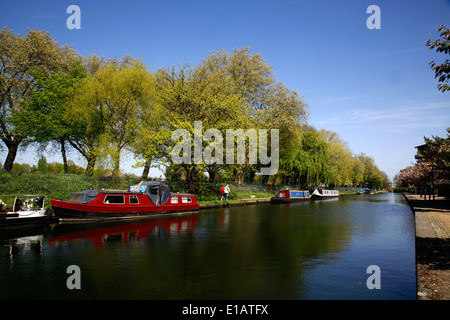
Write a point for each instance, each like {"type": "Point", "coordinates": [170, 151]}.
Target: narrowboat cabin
{"type": "Point", "coordinates": [146, 198]}
{"type": "Point", "coordinates": [286, 196]}
{"type": "Point", "coordinates": [26, 210]}
{"type": "Point", "coordinates": [320, 194]}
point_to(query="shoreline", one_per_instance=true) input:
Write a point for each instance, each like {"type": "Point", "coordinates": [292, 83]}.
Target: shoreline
{"type": "Point", "coordinates": [432, 242]}
{"type": "Point", "coordinates": [244, 202]}
{"type": "Point", "coordinates": [237, 202]}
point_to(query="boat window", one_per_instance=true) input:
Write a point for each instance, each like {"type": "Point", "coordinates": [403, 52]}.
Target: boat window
{"type": "Point", "coordinates": [112, 198]}
{"type": "Point", "coordinates": [76, 197]}
{"type": "Point", "coordinates": [174, 199]}
{"type": "Point", "coordinates": [186, 199]}
{"type": "Point", "coordinates": [134, 200]}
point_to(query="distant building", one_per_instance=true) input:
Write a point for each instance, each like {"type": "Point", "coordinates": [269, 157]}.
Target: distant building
{"type": "Point", "coordinates": [419, 152]}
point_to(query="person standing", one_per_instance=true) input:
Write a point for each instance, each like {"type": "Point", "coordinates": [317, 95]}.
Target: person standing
{"type": "Point", "coordinates": [226, 191]}
{"type": "Point", "coordinates": [221, 192]}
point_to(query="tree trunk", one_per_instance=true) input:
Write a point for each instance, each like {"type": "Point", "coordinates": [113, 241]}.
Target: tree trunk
{"type": "Point", "coordinates": [116, 170]}
{"type": "Point", "coordinates": [12, 152]}
{"type": "Point", "coordinates": [146, 170]}
{"type": "Point", "coordinates": [90, 165]}
{"type": "Point", "coordinates": [62, 141]}
{"type": "Point", "coordinates": [240, 174]}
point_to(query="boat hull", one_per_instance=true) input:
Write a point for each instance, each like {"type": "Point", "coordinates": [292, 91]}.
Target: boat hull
{"type": "Point", "coordinates": [14, 222]}
{"type": "Point", "coordinates": [287, 200]}
{"type": "Point", "coordinates": [72, 214]}
{"type": "Point", "coordinates": [145, 199]}
{"type": "Point", "coordinates": [323, 194]}
{"type": "Point", "coordinates": [316, 197]}
{"type": "Point", "coordinates": [289, 196]}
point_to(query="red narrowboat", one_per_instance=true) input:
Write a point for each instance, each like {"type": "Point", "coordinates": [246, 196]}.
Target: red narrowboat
{"type": "Point", "coordinates": [146, 198]}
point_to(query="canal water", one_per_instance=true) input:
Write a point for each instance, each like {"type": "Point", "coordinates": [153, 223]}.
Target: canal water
{"type": "Point", "coordinates": [311, 250]}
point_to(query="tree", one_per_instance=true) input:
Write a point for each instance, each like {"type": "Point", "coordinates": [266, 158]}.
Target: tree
{"type": "Point", "coordinates": [153, 135]}
{"type": "Point", "coordinates": [372, 176]}
{"type": "Point", "coordinates": [434, 166]}
{"type": "Point", "coordinates": [198, 94]}
{"type": "Point", "coordinates": [87, 122]}
{"type": "Point", "coordinates": [43, 118]}
{"type": "Point", "coordinates": [308, 164]}
{"type": "Point", "coordinates": [357, 172]}
{"type": "Point", "coordinates": [436, 154]}
{"type": "Point", "coordinates": [19, 58]}
{"type": "Point", "coordinates": [265, 103]}
{"type": "Point", "coordinates": [42, 165]}
{"type": "Point", "coordinates": [125, 90]}
{"type": "Point", "coordinates": [442, 71]}
{"type": "Point", "coordinates": [106, 107]}
{"type": "Point", "coordinates": [417, 175]}
{"type": "Point", "coordinates": [339, 158]}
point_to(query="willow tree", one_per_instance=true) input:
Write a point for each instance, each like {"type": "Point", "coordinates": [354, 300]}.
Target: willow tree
{"type": "Point", "coordinates": [339, 158]}
{"type": "Point", "coordinates": [196, 94]}
{"type": "Point", "coordinates": [19, 58]}
{"type": "Point", "coordinates": [373, 177]}
{"type": "Point", "coordinates": [265, 103]}
{"type": "Point", "coordinates": [152, 137]}
{"type": "Point", "coordinates": [110, 103]}
{"type": "Point", "coordinates": [307, 164]}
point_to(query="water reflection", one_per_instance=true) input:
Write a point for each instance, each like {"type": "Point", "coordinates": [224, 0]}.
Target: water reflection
{"type": "Point", "coordinates": [101, 233]}
{"type": "Point", "coordinates": [26, 245]}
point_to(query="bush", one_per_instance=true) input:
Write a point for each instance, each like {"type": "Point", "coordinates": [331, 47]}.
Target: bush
{"type": "Point", "coordinates": [403, 189]}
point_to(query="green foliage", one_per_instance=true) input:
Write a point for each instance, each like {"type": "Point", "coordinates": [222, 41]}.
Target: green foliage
{"type": "Point", "coordinates": [442, 71]}
{"type": "Point", "coordinates": [436, 153]}
{"type": "Point", "coordinates": [20, 59]}
{"type": "Point", "coordinates": [102, 107]}
{"type": "Point", "coordinates": [403, 190]}
{"type": "Point", "coordinates": [58, 185]}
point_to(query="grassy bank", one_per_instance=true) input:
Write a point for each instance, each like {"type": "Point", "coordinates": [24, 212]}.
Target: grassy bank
{"type": "Point", "coordinates": [62, 185]}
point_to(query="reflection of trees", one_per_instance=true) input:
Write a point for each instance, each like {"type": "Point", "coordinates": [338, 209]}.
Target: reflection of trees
{"type": "Point", "coordinates": [263, 255]}
{"type": "Point", "coordinates": [263, 252]}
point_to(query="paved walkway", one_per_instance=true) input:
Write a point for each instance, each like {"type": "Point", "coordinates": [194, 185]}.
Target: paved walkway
{"type": "Point", "coordinates": [432, 219]}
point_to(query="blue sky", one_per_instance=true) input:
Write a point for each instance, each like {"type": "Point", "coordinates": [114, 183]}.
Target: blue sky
{"type": "Point", "coordinates": [375, 88]}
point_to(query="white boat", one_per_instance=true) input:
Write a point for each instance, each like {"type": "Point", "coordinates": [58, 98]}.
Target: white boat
{"type": "Point", "coordinates": [27, 210]}
{"type": "Point", "coordinates": [319, 194]}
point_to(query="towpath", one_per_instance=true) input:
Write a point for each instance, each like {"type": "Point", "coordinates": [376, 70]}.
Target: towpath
{"type": "Point", "coordinates": [432, 218]}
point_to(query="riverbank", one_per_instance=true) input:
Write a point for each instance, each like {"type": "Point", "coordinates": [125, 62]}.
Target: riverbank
{"type": "Point", "coordinates": [432, 219]}
{"type": "Point", "coordinates": [236, 202]}
{"type": "Point", "coordinates": [243, 202]}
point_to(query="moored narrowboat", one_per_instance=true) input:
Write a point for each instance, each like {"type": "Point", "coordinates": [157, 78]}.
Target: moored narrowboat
{"type": "Point", "coordinates": [146, 198]}
{"type": "Point", "coordinates": [286, 196]}
{"type": "Point", "coordinates": [320, 194]}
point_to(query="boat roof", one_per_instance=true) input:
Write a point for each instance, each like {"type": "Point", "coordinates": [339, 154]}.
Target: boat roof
{"type": "Point", "coordinates": [113, 191]}
{"type": "Point", "coordinates": [161, 196]}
